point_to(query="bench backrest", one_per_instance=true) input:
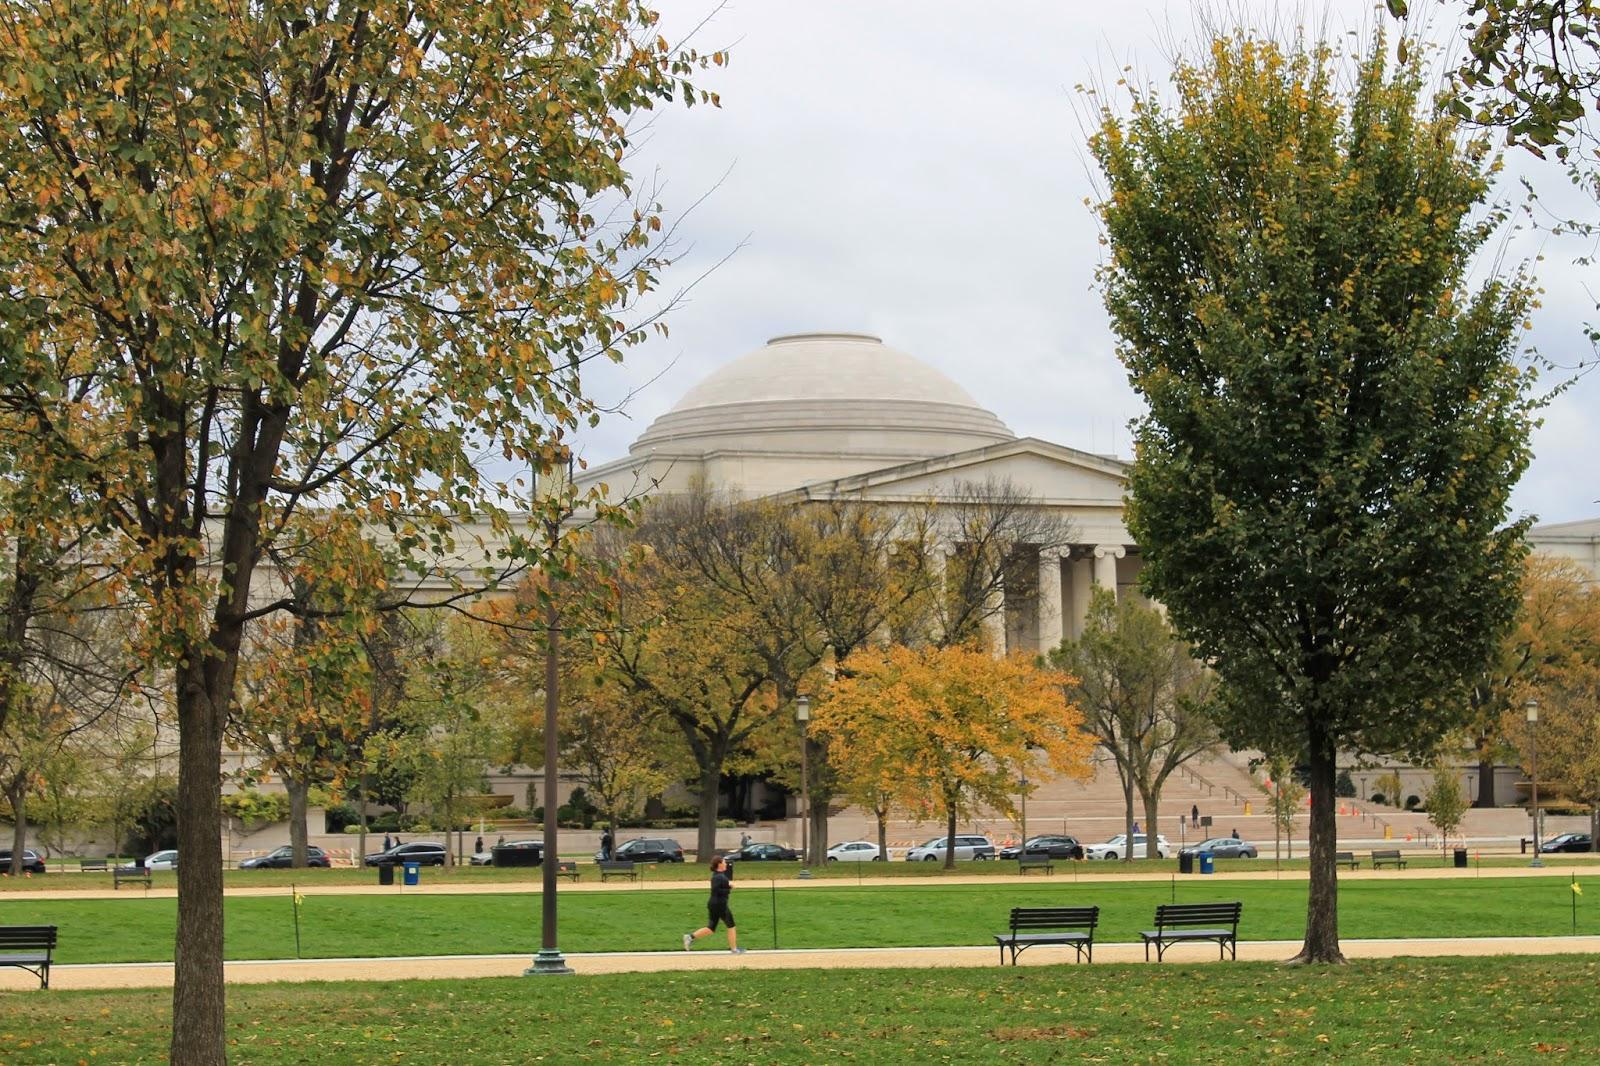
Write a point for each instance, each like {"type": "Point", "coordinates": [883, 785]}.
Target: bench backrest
{"type": "Point", "coordinates": [1054, 918]}
{"type": "Point", "coordinates": [91, 864]}
{"type": "Point", "coordinates": [1395, 854]}
{"type": "Point", "coordinates": [1343, 856]}
{"type": "Point", "coordinates": [566, 865]}
{"type": "Point", "coordinates": [1197, 913]}
{"type": "Point", "coordinates": [616, 864]}
{"type": "Point", "coordinates": [27, 936]}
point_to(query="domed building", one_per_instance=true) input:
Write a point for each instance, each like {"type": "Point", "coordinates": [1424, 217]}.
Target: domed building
{"type": "Point", "coordinates": [818, 416]}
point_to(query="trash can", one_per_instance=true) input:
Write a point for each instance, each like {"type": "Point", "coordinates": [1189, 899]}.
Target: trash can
{"type": "Point", "coordinates": [1208, 862]}
{"type": "Point", "coordinates": [1186, 862]}
{"type": "Point", "coordinates": [386, 875]}
{"type": "Point", "coordinates": [1461, 858]}
{"type": "Point", "coordinates": [413, 874]}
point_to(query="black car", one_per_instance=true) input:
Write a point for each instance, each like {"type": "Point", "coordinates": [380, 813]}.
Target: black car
{"type": "Point", "coordinates": [1568, 842]}
{"type": "Point", "coordinates": [512, 853]}
{"type": "Point", "coordinates": [648, 849]}
{"type": "Point", "coordinates": [1045, 847]}
{"type": "Point", "coordinates": [423, 852]}
{"type": "Point", "coordinates": [31, 862]}
{"type": "Point", "coordinates": [283, 858]}
{"type": "Point", "coordinates": [764, 853]}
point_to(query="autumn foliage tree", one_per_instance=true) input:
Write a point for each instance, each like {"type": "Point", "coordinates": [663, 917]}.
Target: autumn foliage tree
{"type": "Point", "coordinates": [1336, 414]}
{"type": "Point", "coordinates": [950, 730]}
{"type": "Point", "coordinates": [322, 256]}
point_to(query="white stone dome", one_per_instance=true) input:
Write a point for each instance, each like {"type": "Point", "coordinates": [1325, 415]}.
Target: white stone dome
{"type": "Point", "coordinates": [825, 394]}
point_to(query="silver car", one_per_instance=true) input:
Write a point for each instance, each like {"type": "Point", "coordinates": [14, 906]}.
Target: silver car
{"type": "Point", "coordinates": [967, 847]}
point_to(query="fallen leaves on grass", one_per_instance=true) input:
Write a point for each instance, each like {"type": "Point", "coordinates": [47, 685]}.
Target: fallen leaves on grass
{"type": "Point", "coordinates": [1045, 1032]}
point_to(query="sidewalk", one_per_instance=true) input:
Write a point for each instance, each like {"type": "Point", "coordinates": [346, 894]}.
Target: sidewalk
{"type": "Point", "coordinates": [159, 974]}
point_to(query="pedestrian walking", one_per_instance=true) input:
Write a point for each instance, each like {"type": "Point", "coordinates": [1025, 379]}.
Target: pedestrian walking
{"type": "Point", "coordinates": [744, 841]}
{"type": "Point", "coordinates": [387, 843]}
{"type": "Point", "coordinates": [1194, 814]}
{"type": "Point", "coordinates": [479, 845]}
{"type": "Point", "coordinates": [1236, 834]}
{"type": "Point", "coordinates": [1136, 827]}
{"type": "Point", "coordinates": [606, 843]}
{"type": "Point", "coordinates": [717, 908]}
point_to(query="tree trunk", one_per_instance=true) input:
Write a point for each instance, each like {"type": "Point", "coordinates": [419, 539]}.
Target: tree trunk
{"type": "Point", "coordinates": [198, 996]}
{"type": "Point", "coordinates": [710, 786]}
{"type": "Point", "coordinates": [883, 832]}
{"type": "Point", "coordinates": [1486, 797]}
{"type": "Point", "coordinates": [1151, 802]}
{"type": "Point", "coordinates": [950, 836]}
{"type": "Point", "coordinates": [818, 814]}
{"type": "Point", "coordinates": [17, 793]}
{"type": "Point", "coordinates": [1127, 820]}
{"type": "Point", "coordinates": [1322, 904]}
{"type": "Point", "coordinates": [298, 792]}
{"type": "Point", "coordinates": [361, 810]}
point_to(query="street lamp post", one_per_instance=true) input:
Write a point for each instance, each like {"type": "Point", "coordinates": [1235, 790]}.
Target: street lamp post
{"type": "Point", "coordinates": [1532, 710]}
{"type": "Point", "coordinates": [549, 959]}
{"type": "Point", "coordinates": [802, 714]}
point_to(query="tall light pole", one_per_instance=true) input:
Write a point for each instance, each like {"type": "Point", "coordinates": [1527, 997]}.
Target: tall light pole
{"type": "Point", "coordinates": [549, 959]}
{"type": "Point", "coordinates": [1531, 708]}
{"type": "Point", "coordinates": [802, 714]}
{"type": "Point", "coordinates": [1022, 848]}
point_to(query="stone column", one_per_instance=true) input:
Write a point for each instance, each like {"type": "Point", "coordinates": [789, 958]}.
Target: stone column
{"type": "Point", "coordinates": [1049, 600]}
{"type": "Point", "coordinates": [994, 620]}
{"type": "Point", "coordinates": [1105, 565]}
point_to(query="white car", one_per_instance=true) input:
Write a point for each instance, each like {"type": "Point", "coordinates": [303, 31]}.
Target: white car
{"type": "Point", "coordinates": [161, 860]}
{"type": "Point", "coordinates": [1117, 846]}
{"type": "Point", "coordinates": [854, 851]}
{"type": "Point", "coordinates": [967, 847]}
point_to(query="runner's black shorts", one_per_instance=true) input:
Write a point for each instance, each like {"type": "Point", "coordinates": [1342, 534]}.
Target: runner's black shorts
{"type": "Point", "coordinates": [718, 912]}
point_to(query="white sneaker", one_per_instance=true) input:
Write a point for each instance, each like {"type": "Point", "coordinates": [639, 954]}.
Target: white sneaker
{"type": "Point", "coordinates": [688, 942]}
{"type": "Point", "coordinates": [736, 951]}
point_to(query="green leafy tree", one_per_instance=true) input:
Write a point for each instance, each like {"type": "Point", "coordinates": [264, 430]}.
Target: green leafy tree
{"type": "Point", "coordinates": [1336, 416]}
{"type": "Point", "coordinates": [307, 256]}
{"type": "Point", "coordinates": [1446, 802]}
{"type": "Point", "coordinates": [1284, 797]}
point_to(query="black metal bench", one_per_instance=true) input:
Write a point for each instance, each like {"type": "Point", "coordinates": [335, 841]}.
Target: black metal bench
{"type": "Point", "coordinates": [1346, 858]}
{"type": "Point", "coordinates": [120, 874]}
{"type": "Point", "coordinates": [1388, 858]}
{"type": "Point", "coordinates": [86, 866]}
{"type": "Point", "coordinates": [610, 868]}
{"type": "Point", "coordinates": [28, 947]}
{"type": "Point", "coordinates": [1035, 862]}
{"type": "Point", "coordinates": [1178, 923]}
{"type": "Point", "coordinates": [567, 869]}
{"type": "Point", "coordinates": [1069, 926]}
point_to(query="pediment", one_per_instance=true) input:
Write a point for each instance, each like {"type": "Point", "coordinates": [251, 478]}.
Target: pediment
{"type": "Point", "coordinates": [1052, 473]}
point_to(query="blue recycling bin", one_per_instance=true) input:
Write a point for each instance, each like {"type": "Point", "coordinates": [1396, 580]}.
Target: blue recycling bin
{"type": "Point", "coordinates": [414, 874]}
{"type": "Point", "coordinates": [1208, 864]}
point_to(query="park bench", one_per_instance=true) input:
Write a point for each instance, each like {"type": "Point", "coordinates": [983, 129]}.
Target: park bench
{"type": "Point", "coordinates": [91, 866]}
{"type": "Point", "coordinates": [1070, 926]}
{"type": "Point", "coordinates": [1346, 858]}
{"type": "Point", "coordinates": [610, 868]}
{"type": "Point", "coordinates": [567, 869]}
{"type": "Point", "coordinates": [1035, 862]}
{"type": "Point", "coordinates": [1388, 858]}
{"type": "Point", "coordinates": [28, 947]}
{"type": "Point", "coordinates": [1178, 923]}
{"type": "Point", "coordinates": [120, 874]}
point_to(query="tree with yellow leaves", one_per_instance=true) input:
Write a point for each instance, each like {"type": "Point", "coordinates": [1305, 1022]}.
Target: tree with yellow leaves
{"type": "Point", "coordinates": [950, 730]}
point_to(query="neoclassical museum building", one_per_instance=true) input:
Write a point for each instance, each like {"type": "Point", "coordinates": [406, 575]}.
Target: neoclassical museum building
{"type": "Point", "coordinates": [816, 416]}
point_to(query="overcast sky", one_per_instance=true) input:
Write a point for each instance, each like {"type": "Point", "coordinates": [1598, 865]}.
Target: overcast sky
{"type": "Point", "coordinates": [917, 171]}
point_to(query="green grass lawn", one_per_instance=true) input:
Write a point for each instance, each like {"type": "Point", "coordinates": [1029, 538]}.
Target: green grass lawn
{"type": "Point", "coordinates": [783, 871]}
{"type": "Point", "coordinates": [1387, 1012]}
{"type": "Point", "coordinates": [416, 923]}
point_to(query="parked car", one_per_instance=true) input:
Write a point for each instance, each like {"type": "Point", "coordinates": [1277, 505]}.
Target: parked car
{"type": "Point", "coordinates": [1117, 847]}
{"type": "Point", "coordinates": [854, 851]}
{"type": "Point", "coordinates": [764, 852]}
{"type": "Point", "coordinates": [161, 860]}
{"type": "Point", "coordinates": [648, 849]}
{"type": "Point", "coordinates": [1223, 848]}
{"type": "Point", "coordinates": [1568, 842]}
{"type": "Point", "coordinates": [31, 861]}
{"type": "Point", "coordinates": [283, 858]}
{"type": "Point", "coordinates": [516, 853]}
{"type": "Point", "coordinates": [425, 852]}
{"type": "Point", "coordinates": [1045, 847]}
{"type": "Point", "coordinates": [967, 847]}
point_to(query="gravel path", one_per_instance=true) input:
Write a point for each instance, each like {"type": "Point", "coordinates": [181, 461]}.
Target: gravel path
{"type": "Point", "coordinates": [159, 975]}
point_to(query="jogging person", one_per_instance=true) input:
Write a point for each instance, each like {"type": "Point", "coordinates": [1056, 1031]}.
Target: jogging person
{"type": "Point", "coordinates": [717, 908]}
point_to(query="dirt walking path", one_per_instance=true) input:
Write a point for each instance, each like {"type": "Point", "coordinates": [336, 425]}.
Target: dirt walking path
{"type": "Point", "coordinates": [159, 975]}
